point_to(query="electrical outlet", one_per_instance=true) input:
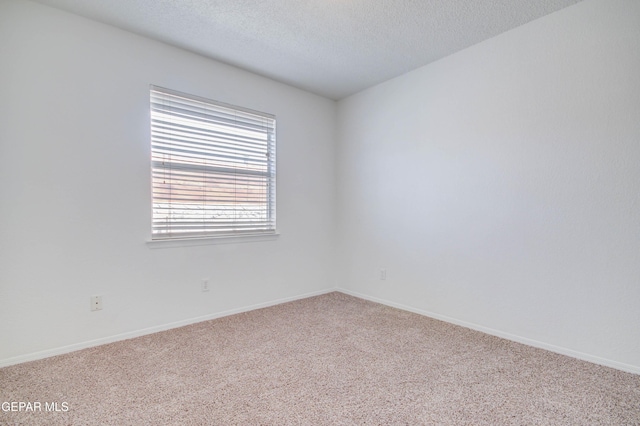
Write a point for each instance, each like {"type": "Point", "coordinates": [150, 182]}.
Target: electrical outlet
{"type": "Point", "coordinates": [96, 303]}
{"type": "Point", "coordinates": [382, 274]}
{"type": "Point", "coordinates": [204, 285]}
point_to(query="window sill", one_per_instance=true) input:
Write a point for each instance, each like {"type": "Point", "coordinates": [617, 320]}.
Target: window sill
{"type": "Point", "coordinates": [204, 241]}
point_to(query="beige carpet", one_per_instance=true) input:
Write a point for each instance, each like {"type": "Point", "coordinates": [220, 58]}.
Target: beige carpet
{"type": "Point", "coordinates": [327, 360]}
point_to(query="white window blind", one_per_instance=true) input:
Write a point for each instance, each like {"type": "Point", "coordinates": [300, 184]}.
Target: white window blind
{"type": "Point", "coordinates": [213, 167]}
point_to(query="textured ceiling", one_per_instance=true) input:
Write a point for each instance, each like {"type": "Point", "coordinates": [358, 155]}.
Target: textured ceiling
{"type": "Point", "coordinates": [330, 47]}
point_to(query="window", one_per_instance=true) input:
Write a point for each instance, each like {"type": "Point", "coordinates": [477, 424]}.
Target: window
{"type": "Point", "coordinates": [213, 168]}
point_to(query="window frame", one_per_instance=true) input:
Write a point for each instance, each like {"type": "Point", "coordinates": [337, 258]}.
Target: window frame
{"type": "Point", "coordinates": [256, 225]}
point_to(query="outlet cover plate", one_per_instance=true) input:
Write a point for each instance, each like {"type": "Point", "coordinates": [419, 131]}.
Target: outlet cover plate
{"type": "Point", "coordinates": [96, 303]}
{"type": "Point", "coordinates": [204, 286]}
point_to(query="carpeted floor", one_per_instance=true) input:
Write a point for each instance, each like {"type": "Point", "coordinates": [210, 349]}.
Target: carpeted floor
{"type": "Point", "coordinates": [326, 360]}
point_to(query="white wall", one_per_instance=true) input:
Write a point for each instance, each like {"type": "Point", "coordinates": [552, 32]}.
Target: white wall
{"type": "Point", "coordinates": [75, 193]}
{"type": "Point", "coordinates": [500, 186]}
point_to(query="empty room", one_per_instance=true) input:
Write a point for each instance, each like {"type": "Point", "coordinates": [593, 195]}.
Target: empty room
{"type": "Point", "coordinates": [320, 212]}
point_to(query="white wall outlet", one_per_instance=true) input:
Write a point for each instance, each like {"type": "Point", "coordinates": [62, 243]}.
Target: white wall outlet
{"type": "Point", "coordinates": [96, 303]}
{"type": "Point", "coordinates": [382, 274]}
{"type": "Point", "coordinates": [204, 285]}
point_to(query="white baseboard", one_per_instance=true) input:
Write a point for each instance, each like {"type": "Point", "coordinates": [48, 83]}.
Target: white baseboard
{"type": "Point", "coordinates": [129, 335]}
{"type": "Point", "coordinates": [530, 342]}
